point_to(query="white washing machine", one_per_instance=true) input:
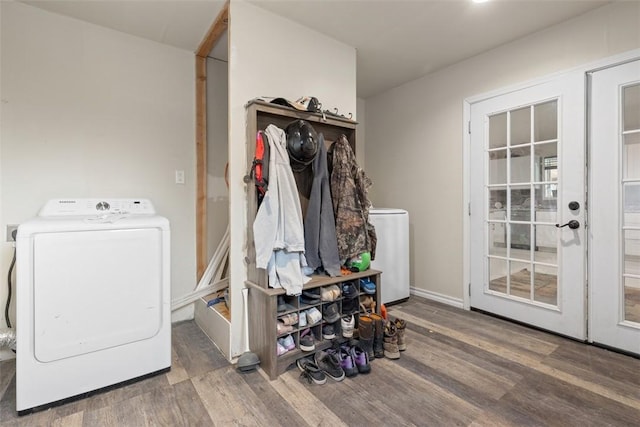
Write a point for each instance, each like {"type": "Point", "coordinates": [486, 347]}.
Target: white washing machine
{"type": "Point", "coordinates": [93, 298]}
{"type": "Point", "coordinates": [392, 252]}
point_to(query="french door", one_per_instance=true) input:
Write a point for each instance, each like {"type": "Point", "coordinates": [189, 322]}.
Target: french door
{"type": "Point", "coordinates": [614, 207]}
{"type": "Point", "coordinates": [527, 197]}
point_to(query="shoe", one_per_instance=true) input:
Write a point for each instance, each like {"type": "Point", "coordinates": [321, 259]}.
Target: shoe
{"type": "Point", "coordinates": [287, 342]}
{"type": "Point", "coordinates": [283, 305]}
{"type": "Point", "coordinates": [280, 349]}
{"type": "Point", "coordinates": [347, 323]}
{"type": "Point", "coordinates": [350, 306]}
{"type": "Point", "coordinates": [366, 330]}
{"type": "Point", "coordinates": [330, 365]}
{"type": "Point", "coordinates": [401, 325]}
{"type": "Point", "coordinates": [378, 335]}
{"type": "Point", "coordinates": [331, 313]}
{"type": "Point", "coordinates": [328, 332]}
{"type": "Point", "coordinates": [349, 290]}
{"type": "Point", "coordinates": [368, 304]}
{"type": "Point", "coordinates": [330, 293]}
{"type": "Point", "coordinates": [343, 354]}
{"type": "Point", "coordinates": [289, 319]}
{"type": "Point", "coordinates": [302, 319]}
{"type": "Point", "coordinates": [313, 316]}
{"type": "Point", "coordinates": [367, 286]}
{"type": "Point", "coordinates": [311, 372]}
{"type": "Point", "coordinates": [312, 296]}
{"type": "Point", "coordinates": [391, 341]}
{"type": "Point", "coordinates": [360, 359]}
{"type": "Point", "coordinates": [282, 328]}
{"type": "Point", "coordinates": [307, 341]}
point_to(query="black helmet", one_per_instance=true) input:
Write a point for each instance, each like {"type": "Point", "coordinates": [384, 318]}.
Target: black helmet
{"type": "Point", "coordinates": [302, 144]}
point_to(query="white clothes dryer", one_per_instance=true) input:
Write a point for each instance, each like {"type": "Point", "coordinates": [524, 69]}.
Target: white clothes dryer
{"type": "Point", "coordinates": [93, 298]}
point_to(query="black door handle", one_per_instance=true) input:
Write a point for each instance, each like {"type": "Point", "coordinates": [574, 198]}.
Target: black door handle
{"type": "Point", "coordinates": [573, 224]}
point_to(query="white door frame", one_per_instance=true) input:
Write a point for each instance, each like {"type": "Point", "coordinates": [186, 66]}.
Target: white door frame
{"type": "Point", "coordinates": [466, 141]}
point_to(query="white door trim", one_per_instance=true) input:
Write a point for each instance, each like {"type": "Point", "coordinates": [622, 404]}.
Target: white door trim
{"type": "Point", "coordinates": [607, 62]}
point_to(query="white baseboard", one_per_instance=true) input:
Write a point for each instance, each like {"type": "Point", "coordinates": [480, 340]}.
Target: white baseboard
{"type": "Point", "coordinates": [434, 296]}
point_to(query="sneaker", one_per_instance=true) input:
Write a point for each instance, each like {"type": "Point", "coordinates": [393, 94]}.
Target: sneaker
{"type": "Point", "coordinates": [302, 319]}
{"type": "Point", "coordinates": [327, 293]}
{"type": "Point", "coordinates": [330, 365]}
{"type": "Point", "coordinates": [350, 306]}
{"type": "Point", "coordinates": [343, 354]}
{"type": "Point", "coordinates": [367, 286]}
{"type": "Point", "coordinates": [283, 329]}
{"type": "Point", "coordinates": [331, 313]}
{"type": "Point", "coordinates": [313, 316]}
{"type": "Point", "coordinates": [280, 349]}
{"type": "Point", "coordinates": [287, 342]}
{"type": "Point", "coordinates": [328, 333]}
{"type": "Point", "coordinates": [349, 290]}
{"type": "Point", "coordinates": [361, 359]}
{"type": "Point", "coordinates": [311, 372]}
{"type": "Point", "coordinates": [310, 297]}
{"type": "Point", "coordinates": [307, 341]}
{"type": "Point", "coordinates": [283, 305]}
{"type": "Point", "coordinates": [289, 319]}
{"type": "Point", "coordinates": [347, 323]}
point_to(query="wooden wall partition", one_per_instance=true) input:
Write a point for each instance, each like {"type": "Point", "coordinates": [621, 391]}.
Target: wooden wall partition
{"type": "Point", "coordinates": [218, 27]}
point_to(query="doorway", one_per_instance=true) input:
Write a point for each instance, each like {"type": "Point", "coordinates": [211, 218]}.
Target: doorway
{"type": "Point", "coordinates": [537, 254]}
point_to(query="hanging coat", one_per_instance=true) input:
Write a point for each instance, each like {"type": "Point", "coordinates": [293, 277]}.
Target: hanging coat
{"type": "Point", "coordinates": [277, 229]}
{"type": "Point", "coordinates": [349, 186]}
{"type": "Point", "coordinates": [321, 246]}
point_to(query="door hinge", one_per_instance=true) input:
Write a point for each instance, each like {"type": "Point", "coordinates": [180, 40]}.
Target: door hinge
{"type": "Point", "coordinates": [469, 127]}
{"type": "Point", "coordinates": [469, 208]}
{"type": "Point", "coordinates": [469, 289]}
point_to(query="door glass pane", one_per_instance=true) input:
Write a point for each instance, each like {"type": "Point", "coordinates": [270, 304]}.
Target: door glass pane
{"type": "Point", "coordinates": [632, 299]}
{"type": "Point", "coordinates": [497, 275]}
{"type": "Point", "coordinates": [546, 244]}
{"type": "Point", "coordinates": [545, 202]}
{"type": "Point", "coordinates": [520, 279]}
{"type": "Point", "coordinates": [520, 126]}
{"type": "Point", "coordinates": [631, 106]}
{"type": "Point", "coordinates": [631, 162]}
{"type": "Point", "coordinates": [497, 202]}
{"type": "Point", "coordinates": [498, 167]}
{"type": "Point", "coordinates": [632, 252]}
{"type": "Point", "coordinates": [520, 203]}
{"type": "Point", "coordinates": [520, 241]}
{"type": "Point", "coordinates": [546, 162]}
{"type": "Point", "coordinates": [631, 202]}
{"type": "Point", "coordinates": [545, 284]}
{"type": "Point", "coordinates": [521, 164]}
{"type": "Point", "coordinates": [545, 121]}
{"type": "Point", "coordinates": [498, 131]}
{"type": "Point", "coordinates": [497, 239]}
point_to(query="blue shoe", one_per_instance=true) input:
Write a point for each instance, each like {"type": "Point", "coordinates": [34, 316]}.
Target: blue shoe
{"type": "Point", "coordinates": [367, 286]}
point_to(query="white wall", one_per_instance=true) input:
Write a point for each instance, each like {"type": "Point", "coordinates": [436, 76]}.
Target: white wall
{"type": "Point", "coordinates": [361, 134]}
{"type": "Point", "coordinates": [272, 56]}
{"type": "Point", "coordinates": [92, 112]}
{"type": "Point", "coordinates": [414, 132]}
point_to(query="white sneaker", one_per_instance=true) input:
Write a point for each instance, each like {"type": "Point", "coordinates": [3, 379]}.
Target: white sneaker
{"type": "Point", "coordinates": [302, 319]}
{"type": "Point", "coordinates": [347, 324]}
{"type": "Point", "coordinates": [313, 316]}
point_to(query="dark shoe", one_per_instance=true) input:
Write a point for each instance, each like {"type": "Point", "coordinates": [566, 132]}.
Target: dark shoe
{"type": "Point", "coordinates": [310, 371]}
{"type": "Point", "coordinates": [328, 332]}
{"type": "Point", "coordinates": [391, 341]}
{"type": "Point", "coordinates": [378, 335]}
{"type": "Point", "coordinates": [365, 334]}
{"type": "Point", "coordinates": [350, 306]}
{"type": "Point", "coordinates": [361, 359]}
{"type": "Point", "coordinates": [343, 354]}
{"type": "Point", "coordinates": [307, 342]}
{"type": "Point", "coordinates": [349, 290]}
{"type": "Point", "coordinates": [330, 365]}
{"type": "Point", "coordinates": [331, 313]}
{"type": "Point", "coordinates": [401, 325]}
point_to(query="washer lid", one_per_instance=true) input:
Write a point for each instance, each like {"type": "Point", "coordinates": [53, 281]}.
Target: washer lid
{"type": "Point", "coordinates": [386, 211]}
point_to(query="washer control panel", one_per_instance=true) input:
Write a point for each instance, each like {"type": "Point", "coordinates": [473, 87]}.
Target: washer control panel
{"type": "Point", "coordinates": [79, 207]}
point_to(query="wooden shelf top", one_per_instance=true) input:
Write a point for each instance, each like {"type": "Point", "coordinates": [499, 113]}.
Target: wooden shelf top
{"type": "Point", "coordinates": [316, 281]}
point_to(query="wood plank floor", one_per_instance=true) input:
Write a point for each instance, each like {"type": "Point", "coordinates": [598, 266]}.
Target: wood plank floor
{"type": "Point", "coordinates": [460, 368]}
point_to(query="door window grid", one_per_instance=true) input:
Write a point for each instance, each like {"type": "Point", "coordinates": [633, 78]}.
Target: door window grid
{"type": "Point", "coordinates": [630, 204]}
{"type": "Point", "coordinates": [511, 218]}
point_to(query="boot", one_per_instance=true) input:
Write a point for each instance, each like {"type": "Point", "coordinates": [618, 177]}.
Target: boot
{"type": "Point", "coordinates": [378, 335]}
{"type": "Point", "coordinates": [401, 325]}
{"type": "Point", "coordinates": [365, 334]}
{"type": "Point", "coordinates": [391, 341]}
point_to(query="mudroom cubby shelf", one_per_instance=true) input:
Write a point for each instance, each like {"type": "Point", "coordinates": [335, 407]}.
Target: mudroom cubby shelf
{"type": "Point", "coordinates": [264, 317]}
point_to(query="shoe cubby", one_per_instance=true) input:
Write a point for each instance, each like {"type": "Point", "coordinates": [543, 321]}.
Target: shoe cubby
{"type": "Point", "coordinates": [273, 316]}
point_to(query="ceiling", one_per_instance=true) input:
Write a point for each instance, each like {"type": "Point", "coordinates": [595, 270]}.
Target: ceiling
{"type": "Point", "coordinates": [396, 40]}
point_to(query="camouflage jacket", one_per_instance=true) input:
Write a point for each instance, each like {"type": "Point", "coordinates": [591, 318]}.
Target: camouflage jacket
{"type": "Point", "coordinates": [349, 187]}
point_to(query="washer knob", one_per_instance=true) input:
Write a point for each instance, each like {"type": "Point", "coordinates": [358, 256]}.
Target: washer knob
{"type": "Point", "coordinates": [103, 206]}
